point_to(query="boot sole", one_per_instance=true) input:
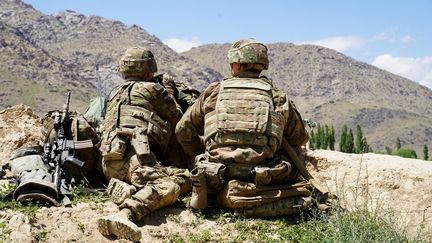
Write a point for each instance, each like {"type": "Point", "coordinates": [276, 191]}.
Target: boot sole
{"type": "Point", "coordinates": [117, 191]}
{"type": "Point", "coordinates": [122, 228]}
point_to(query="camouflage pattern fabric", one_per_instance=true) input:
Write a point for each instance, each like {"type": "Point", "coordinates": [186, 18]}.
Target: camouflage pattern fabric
{"type": "Point", "coordinates": [155, 114]}
{"type": "Point", "coordinates": [245, 143]}
{"type": "Point", "coordinates": [249, 51]}
{"type": "Point", "coordinates": [137, 60]}
{"type": "Point", "coordinates": [239, 194]}
{"type": "Point", "coordinates": [244, 116]}
{"type": "Point", "coordinates": [144, 106]}
{"type": "Point", "coordinates": [157, 187]}
{"type": "Point", "coordinates": [189, 127]}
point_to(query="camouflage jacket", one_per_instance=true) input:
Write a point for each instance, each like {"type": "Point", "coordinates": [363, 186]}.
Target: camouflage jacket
{"type": "Point", "coordinates": [190, 127]}
{"type": "Point", "coordinates": [148, 97]}
{"type": "Point", "coordinates": [183, 94]}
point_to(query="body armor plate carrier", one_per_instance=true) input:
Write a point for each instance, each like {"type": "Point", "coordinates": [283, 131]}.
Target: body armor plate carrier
{"type": "Point", "coordinates": [244, 114]}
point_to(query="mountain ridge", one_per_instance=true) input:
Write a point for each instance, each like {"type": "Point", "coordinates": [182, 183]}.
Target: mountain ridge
{"type": "Point", "coordinates": [45, 56]}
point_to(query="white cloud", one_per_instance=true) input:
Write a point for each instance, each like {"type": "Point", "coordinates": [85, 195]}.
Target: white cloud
{"type": "Point", "coordinates": [385, 36]}
{"type": "Point", "coordinates": [340, 43]}
{"type": "Point", "coordinates": [417, 69]}
{"type": "Point", "coordinates": [407, 39]}
{"type": "Point", "coordinates": [182, 44]}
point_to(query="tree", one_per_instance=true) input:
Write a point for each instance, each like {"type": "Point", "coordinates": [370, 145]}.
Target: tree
{"type": "Point", "coordinates": [350, 142]}
{"type": "Point", "coordinates": [332, 139]}
{"type": "Point", "coordinates": [425, 152]}
{"type": "Point", "coordinates": [343, 139]}
{"type": "Point", "coordinates": [388, 150]}
{"type": "Point", "coordinates": [326, 132]}
{"type": "Point", "coordinates": [318, 137]}
{"type": "Point", "coordinates": [398, 143]}
{"type": "Point", "coordinates": [312, 140]}
{"type": "Point", "coordinates": [359, 146]}
{"type": "Point", "coordinates": [365, 146]}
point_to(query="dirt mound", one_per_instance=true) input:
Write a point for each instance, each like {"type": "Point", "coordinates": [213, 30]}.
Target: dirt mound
{"type": "Point", "coordinates": [19, 127]}
{"type": "Point", "coordinates": [381, 182]}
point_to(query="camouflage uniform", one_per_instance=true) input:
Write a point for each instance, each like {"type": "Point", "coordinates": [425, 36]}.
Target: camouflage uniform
{"type": "Point", "coordinates": [245, 119]}
{"type": "Point", "coordinates": [136, 134]}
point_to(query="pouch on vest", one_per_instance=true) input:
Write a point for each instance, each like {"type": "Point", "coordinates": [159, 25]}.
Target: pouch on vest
{"type": "Point", "coordinates": [114, 146]}
{"type": "Point", "coordinates": [281, 173]}
{"type": "Point", "coordinates": [215, 173]}
{"type": "Point", "coordinates": [140, 143]}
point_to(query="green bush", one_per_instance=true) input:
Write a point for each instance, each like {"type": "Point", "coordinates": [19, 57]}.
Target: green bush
{"type": "Point", "coordinates": [406, 153]}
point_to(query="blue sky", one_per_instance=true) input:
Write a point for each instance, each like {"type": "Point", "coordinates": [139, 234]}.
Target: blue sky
{"type": "Point", "coordinates": [392, 35]}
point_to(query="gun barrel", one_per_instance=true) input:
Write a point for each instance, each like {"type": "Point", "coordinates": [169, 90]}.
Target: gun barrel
{"type": "Point", "coordinates": [66, 105]}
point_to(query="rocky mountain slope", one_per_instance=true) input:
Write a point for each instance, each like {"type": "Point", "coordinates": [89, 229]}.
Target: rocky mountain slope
{"type": "Point", "coordinates": [332, 88]}
{"type": "Point", "coordinates": [62, 50]}
{"type": "Point", "coordinates": [43, 56]}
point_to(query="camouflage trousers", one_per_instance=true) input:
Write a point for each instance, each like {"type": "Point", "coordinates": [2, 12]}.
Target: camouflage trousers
{"type": "Point", "coordinates": [156, 186]}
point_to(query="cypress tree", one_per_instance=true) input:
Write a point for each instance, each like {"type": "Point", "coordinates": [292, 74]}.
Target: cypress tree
{"type": "Point", "coordinates": [388, 150]}
{"type": "Point", "coordinates": [365, 146]}
{"type": "Point", "coordinates": [318, 137]}
{"type": "Point", "coordinates": [343, 139]}
{"type": "Point", "coordinates": [312, 140]}
{"type": "Point", "coordinates": [332, 139]}
{"type": "Point", "coordinates": [425, 152]}
{"type": "Point", "coordinates": [359, 147]}
{"type": "Point", "coordinates": [398, 144]}
{"type": "Point", "coordinates": [350, 142]}
{"type": "Point", "coordinates": [326, 132]}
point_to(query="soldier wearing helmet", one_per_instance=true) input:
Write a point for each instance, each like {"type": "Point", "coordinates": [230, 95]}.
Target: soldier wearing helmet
{"type": "Point", "coordinates": [136, 134]}
{"type": "Point", "coordinates": [239, 158]}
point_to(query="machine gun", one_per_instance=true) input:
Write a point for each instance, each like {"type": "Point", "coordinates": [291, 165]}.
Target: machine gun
{"type": "Point", "coordinates": [62, 151]}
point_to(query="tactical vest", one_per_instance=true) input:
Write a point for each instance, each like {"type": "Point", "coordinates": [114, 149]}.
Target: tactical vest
{"type": "Point", "coordinates": [245, 115]}
{"type": "Point", "coordinates": [138, 123]}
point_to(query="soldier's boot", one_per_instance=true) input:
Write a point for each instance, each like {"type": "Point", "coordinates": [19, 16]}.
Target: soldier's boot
{"type": "Point", "coordinates": [282, 207]}
{"type": "Point", "coordinates": [119, 191]}
{"type": "Point", "coordinates": [120, 225]}
{"type": "Point", "coordinates": [199, 189]}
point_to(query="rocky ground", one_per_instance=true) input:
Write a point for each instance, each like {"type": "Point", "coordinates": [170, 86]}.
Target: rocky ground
{"type": "Point", "coordinates": [381, 182]}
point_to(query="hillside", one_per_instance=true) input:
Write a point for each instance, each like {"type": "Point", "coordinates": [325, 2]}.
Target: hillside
{"type": "Point", "coordinates": [332, 88]}
{"type": "Point", "coordinates": [44, 56]}
{"type": "Point", "coordinates": [62, 50]}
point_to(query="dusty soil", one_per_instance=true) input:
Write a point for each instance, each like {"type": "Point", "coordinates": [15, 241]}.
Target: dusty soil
{"type": "Point", "coordinates": [381, 182]}
{"type": "Point", "coordinates": [19, 127]}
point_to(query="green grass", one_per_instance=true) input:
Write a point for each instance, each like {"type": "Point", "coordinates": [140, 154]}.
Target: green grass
{"type": "Point", "coordinates": [41, 97]}
{"type": "Point", "coordinates": [337, 226]}
{"type": "Point", "coordinates": [6, 202]}
{"type": "Point", "coordinates": [79, 195]}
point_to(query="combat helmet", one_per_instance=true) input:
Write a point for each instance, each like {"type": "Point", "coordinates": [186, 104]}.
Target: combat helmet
{"type": "Point", "coordinates": [137, 60]}
{"type": "Point", "coordinates": [249, 51]}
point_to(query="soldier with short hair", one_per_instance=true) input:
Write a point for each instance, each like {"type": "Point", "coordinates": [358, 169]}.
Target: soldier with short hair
{"type": "Point", "coordinates": [240, 157]}
{"type": "Point", "coordinates": [136, 134]}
